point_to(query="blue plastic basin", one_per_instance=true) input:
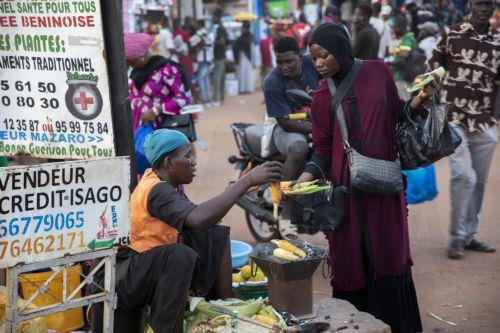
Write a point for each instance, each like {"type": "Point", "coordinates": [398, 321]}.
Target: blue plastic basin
{"type": "Point", "coordinates": [240, 251]}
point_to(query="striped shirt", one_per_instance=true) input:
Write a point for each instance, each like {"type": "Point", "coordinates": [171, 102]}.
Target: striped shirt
{"type": "Point", "coordinates": [400, 51]}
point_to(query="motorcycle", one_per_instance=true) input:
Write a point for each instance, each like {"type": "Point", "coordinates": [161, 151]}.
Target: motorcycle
{"type": "Point", "coordinates": [257, 202]}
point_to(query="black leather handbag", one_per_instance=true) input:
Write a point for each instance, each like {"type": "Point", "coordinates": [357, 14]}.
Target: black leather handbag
{"type": "Point", "coordinates": [183, 123]}
{"type": "Point", "coordinates": [323, 210]}
{"type": "Point", "coordinates": [420, 144]}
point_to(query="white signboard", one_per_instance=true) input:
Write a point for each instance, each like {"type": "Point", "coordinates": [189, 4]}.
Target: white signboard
{"type": "Point", "coordinates": [54, 93]}
{"type": "Point", "coordinates": [50, 210]}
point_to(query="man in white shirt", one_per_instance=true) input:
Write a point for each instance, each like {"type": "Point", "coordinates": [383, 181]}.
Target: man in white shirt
{"type": "Point", "coordinates": [166, 42]}
{"type": "Point", "coordinates": [202, 42]}
{"type": "Point", "coordinates": [382, 28]}
{"type": "Point", "coordinates": [427, 37]}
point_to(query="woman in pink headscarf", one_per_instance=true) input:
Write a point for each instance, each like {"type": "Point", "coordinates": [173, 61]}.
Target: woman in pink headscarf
{"type": "Point", "coordinates": [156, 87]}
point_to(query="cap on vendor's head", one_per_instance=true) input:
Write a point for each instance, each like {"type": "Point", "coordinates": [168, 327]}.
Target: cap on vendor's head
{"type": "Point", "coordinates": [136, 45]}
{"type": "Point", "coordinates": [161, 142]}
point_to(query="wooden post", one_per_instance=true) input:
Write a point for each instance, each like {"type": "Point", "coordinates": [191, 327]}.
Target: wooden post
{"type": "Point", "coordinates": [118, 87]}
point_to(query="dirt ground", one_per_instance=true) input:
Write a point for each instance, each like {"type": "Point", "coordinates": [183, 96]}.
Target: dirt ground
{"type": "Point", "coordinates": [466, 292]}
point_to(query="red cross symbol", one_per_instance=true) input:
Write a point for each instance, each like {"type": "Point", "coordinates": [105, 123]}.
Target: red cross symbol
{"type": "Point", "coordinates": [83, 100]}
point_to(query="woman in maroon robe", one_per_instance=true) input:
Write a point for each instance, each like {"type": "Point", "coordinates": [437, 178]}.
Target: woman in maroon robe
{"type": "Point", "coordinates": [370, 252]}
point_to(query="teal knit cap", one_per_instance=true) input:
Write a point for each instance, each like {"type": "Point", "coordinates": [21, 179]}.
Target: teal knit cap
{"type": "Point", "coordinates": [161, 142]}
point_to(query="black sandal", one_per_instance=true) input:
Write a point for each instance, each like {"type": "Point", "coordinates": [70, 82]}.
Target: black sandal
{"type": "Point", "coordinates": [475, 245]}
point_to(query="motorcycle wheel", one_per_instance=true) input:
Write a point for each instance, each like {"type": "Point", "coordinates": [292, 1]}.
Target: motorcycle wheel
{"type": "Point", "coordinates": [262, 231]}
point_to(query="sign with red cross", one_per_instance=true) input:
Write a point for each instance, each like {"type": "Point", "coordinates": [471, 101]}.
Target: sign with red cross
{"type": "Point", "coordinates": [83, 99]}
{"type": "Point", "coordinates": [55, 98]}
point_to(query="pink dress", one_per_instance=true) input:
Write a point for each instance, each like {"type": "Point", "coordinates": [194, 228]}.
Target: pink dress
{"type": "Point", "coordinates": [164, 88]}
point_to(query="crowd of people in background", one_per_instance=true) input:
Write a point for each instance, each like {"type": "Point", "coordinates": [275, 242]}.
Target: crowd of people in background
{"type": "Point", "coordinates": [379, 30]}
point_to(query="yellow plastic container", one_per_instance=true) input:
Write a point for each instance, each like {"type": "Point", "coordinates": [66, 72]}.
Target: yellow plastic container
{"type": "Point", "coordinates": [62, 322]}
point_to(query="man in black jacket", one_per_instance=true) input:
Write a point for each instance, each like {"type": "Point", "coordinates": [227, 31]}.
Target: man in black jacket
{"type": "Point", "coordinates": [366, 41]}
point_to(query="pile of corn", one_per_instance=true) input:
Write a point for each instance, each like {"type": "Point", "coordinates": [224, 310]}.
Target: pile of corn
{"type": "Point", "coordinates": [210, 316]}
{"type": "Point", "coordinates": [287, 251]}
{"type": "Point", "coordinates": [245, 274]}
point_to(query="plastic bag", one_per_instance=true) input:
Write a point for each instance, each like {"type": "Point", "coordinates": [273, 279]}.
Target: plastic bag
{"type": "Point", "coordinates": [140, 156]}
{"type": "Point", "coordinates": [434, 125]}
{"type": "Point", "coordinates": [420, 185]}
{"type": "Point", "coordinates": [423, 141]}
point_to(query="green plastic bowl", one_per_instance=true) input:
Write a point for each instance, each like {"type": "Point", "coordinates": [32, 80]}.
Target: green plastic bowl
{"type": "Point", "coordinates": [251, 292]}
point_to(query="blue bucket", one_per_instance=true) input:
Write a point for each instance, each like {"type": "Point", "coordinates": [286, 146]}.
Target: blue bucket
{"type": "Point", "coordinates": [240, 252]}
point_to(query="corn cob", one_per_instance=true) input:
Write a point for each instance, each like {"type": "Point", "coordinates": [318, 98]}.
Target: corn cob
{"type": "Point", "coordinates": [286, 185]}
{"type": "Point", "coordinates": [298, 116]}
{"type": "Point", "coordinates": [306, 184]}
{"type": "Point", "coordinates": [424, 79]}
{"type": "Point", "coordinates": [275, 191]}
{"type": "Point", "coordinates": [285, 255]}
{"type": "Point", "coordinates": [265, 319]}
{"type": "Point", "coordinates": [306, 190]}
{"type": "Point", "coordinates": [292, 185]}
{"type": "Point", "coordinates": [267, 311]}
{"type": "Point", "coordinates": [286, 245]}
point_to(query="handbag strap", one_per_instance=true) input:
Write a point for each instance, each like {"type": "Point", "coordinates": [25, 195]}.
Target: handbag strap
{"type": "Point", "coordinates": [337, 97]}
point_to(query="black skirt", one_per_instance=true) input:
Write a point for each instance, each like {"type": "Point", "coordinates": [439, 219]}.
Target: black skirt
{"type": "Point", "coordinates": [391, 299]}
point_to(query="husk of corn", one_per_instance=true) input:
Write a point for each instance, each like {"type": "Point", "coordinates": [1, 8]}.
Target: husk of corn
{"type": "Point", "coordinates": [424, 79]}
{"type": "Point", "coordinates": [246, 309]}
{"type": "Point", "coordinates": [303, 188]}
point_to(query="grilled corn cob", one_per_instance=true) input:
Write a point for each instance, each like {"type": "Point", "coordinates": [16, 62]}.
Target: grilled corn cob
{"type": "Point", "coordinates": [286, 245]}
{"type": "Point", "coordinates": [275, 191]}
{"type": "Point", "coordinates": [285, 255]}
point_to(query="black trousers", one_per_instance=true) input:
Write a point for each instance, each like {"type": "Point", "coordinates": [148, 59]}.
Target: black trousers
{"type": "Point", "coordinates": [160, 279]}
